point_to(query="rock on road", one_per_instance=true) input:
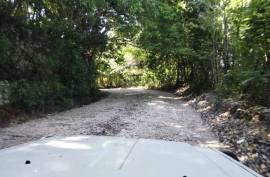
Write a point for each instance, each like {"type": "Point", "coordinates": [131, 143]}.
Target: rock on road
{"type": "Point", "coordinates": [136, 113]}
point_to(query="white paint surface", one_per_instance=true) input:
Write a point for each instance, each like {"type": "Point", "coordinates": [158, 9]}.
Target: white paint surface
{"type": "Point", "coordinates": [92, 156]}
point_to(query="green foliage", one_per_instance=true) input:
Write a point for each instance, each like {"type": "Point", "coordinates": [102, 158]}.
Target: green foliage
{"type": "Point", "coordinates": [54, 52]}
{"type": "Point", "coordinates": [253, 84]}
{"type": "Point", "coordinates": [206, 44]}
{"type": "Point", "coordinates": [48, 49]}
{"type": "Point", "coordinates": [125, 67]}
{"type": "Point", "coordinates": [38, 95]}
{"type": "Point", "coordinates": [250, 45]}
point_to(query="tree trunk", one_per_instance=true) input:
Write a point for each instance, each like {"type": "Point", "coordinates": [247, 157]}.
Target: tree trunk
{"type": "Point", "coordinates": [268, 61]}
{"type": "Point", "coordinates": [214, 61]}
{"type": "Point", "coordinates": [178, 73]}
{"type": "Point", "coordinates": [225, 42]}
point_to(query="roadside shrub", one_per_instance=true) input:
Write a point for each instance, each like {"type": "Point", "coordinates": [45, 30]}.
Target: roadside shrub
{"type": "Point", "coordinates": [40, 96]}
{"type": "Point", "coordinates": [254, 85]}
{"type": "Point", "coordinates": [4, 89]}
{"type": "Point", "coordinates": [257, 86]}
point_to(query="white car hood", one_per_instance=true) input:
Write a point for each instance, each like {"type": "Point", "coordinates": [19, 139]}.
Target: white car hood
{"type": "Point", "coordinates": [92, 156]}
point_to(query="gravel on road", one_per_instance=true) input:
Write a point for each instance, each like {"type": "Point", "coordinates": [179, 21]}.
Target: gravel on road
{"type": "Point", "coordinates": [132, 113]}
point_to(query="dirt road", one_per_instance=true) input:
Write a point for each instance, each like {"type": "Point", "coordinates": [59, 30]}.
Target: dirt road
{"type": "Point", "coordinates": [135, 113]}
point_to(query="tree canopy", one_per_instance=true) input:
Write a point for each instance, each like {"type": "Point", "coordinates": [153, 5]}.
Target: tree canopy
{"type": "Point", "coordinates": [53, 52]}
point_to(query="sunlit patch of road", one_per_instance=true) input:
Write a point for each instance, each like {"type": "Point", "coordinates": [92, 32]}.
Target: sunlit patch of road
{"type": "Point", "coordinates": [133, 113]}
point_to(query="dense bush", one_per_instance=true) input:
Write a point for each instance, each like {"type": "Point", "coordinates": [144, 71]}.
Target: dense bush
{"type": "Point", "coordinates": [221, 45]}
{"type": "Point", "coordinates": [38, 95]}
{"type": "Point", "coordinates": [128, 78]}
{"type": "Point", "coordinates": [253, 85]}
{"type": "Point", "coordinates": [52, 52]}
{"type": "Point", "coordinates": [48, 49]}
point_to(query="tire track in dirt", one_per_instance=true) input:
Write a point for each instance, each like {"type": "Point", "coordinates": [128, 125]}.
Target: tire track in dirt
{"type": "Point", "coordinates": [133, 113]}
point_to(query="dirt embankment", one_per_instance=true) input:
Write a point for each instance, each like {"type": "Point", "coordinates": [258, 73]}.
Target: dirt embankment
{"type": "Point", "coordinates": [240, 126]}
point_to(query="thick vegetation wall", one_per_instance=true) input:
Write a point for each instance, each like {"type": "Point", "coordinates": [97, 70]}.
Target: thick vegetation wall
{"type": "Point", "coordinates": [221, 45]}
{"type": "Point", "coordinates": [48, 50]}
{"type": "Point", "coordinates": [55, 51]}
